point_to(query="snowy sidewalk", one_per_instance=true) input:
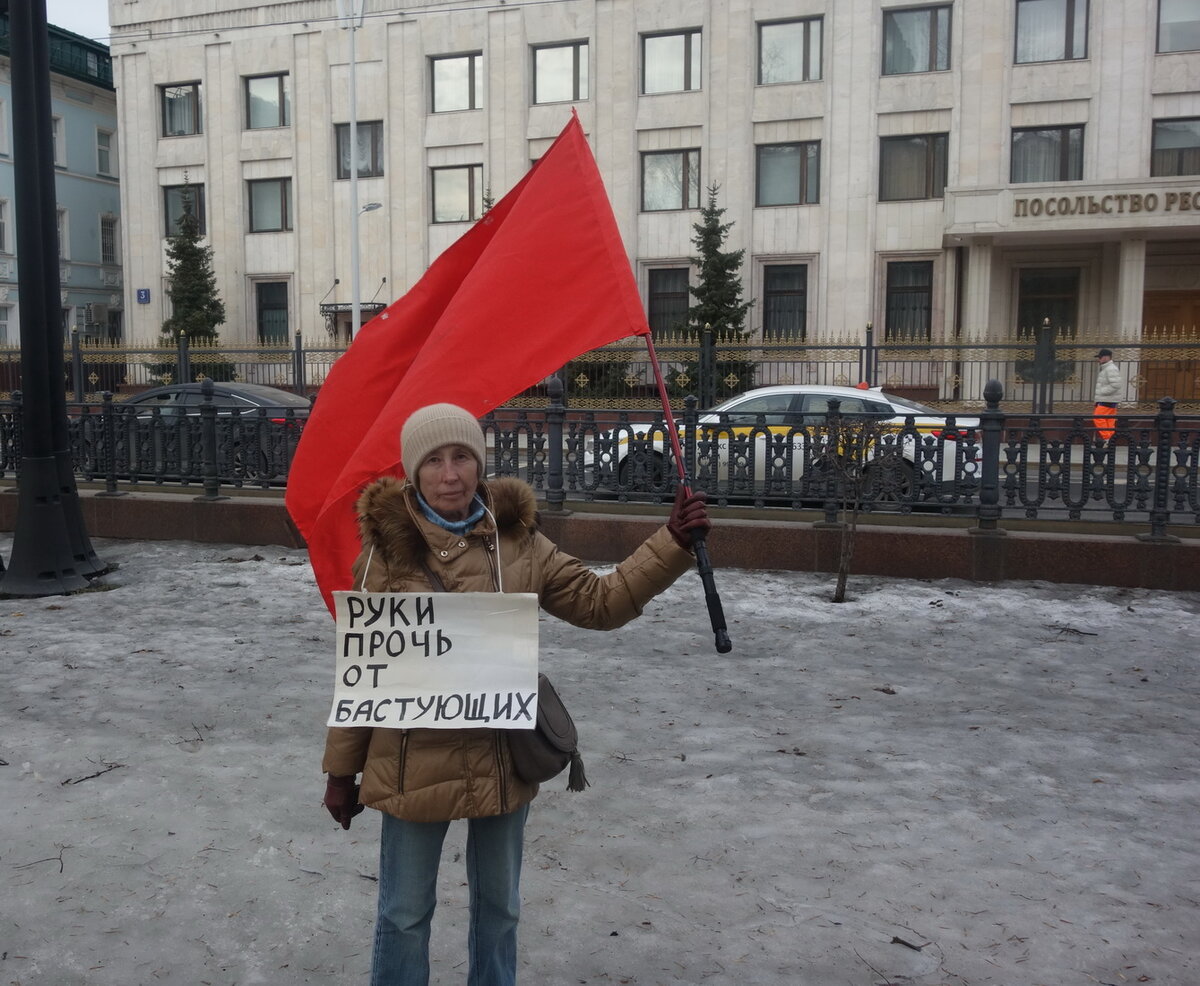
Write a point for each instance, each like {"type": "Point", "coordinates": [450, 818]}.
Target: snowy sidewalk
{"type": "Point", "coordinates": [933, 783]}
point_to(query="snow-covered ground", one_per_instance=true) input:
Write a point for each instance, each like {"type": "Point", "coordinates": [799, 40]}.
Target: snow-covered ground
{"type": "Point", "coordinates": [933, 783]}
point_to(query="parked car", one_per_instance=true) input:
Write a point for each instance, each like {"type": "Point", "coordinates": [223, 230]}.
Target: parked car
{"type": "Point", "coordinates": [157, 434]}
{"type": "Point", "coordinates": [794, 417]}
{"type": "Point", "coordinates": [186, 398]}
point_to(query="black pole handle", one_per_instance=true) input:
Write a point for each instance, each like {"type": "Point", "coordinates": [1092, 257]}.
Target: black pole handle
{"type": "Point", "coordinates": [716, 614]}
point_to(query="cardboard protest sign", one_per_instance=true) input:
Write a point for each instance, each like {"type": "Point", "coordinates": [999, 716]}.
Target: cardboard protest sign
{"type": "Point", "coordinates": [445, 660]}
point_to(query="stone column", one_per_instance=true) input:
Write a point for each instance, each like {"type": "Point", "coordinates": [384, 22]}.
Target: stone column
{"type": "Point", "coordinates": [977, 288]}
{"type": "Point", "coordinates": [1131, 286]}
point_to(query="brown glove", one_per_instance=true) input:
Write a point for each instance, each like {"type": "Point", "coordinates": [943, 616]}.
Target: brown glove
{"type": "Point", "coordinates": [689, 517]}
{"type": "Point", "coordinates": [341, 798]}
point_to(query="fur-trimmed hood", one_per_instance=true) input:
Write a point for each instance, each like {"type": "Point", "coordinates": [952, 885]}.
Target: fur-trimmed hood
{"type": "Point", "coordinates": [391, 519]}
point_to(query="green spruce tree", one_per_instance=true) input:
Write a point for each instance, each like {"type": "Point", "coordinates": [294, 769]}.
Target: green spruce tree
{"type": "Point", "coordinates": [196, 306]}
{"type": "Point", "coordinates": [718, 303]}
{"type": "Point", "coordinates": [718, 291]}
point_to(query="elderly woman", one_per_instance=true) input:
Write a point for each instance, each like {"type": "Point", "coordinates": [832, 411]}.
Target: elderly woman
{"type": "Point", "coordinates": [445, 529]}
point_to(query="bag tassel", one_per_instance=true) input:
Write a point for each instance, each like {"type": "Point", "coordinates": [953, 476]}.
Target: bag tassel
{"type": "Point", "coordinates": [576, 779]}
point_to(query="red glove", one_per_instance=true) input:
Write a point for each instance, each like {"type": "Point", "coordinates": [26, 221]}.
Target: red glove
{"type": "Point", "coordinates": [341, 798]}
{"type": "Point", "coordinates": [689, 517]}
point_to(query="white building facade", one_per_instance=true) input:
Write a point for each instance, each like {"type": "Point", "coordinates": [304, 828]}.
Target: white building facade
{"type": "Point", "coordinates": [956, 170]}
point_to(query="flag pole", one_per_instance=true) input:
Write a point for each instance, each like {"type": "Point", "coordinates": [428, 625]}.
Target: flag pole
{"type": "Point", "coordinates": [716, 615]}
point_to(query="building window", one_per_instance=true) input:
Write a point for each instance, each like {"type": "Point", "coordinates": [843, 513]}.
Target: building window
{"type": "Point", "coordinates": [909, 300]}
{"type": "Point", "coordinates": [1175, 149]}
{"type": "Point", "coordinates": [916, 40]}
{"type": "Point", "coordinates": [108, 239]}
{"type": "Point", "coordinates": [670, 180]}
{"type": "Point", "coordinates": [270, 205]}
{"type": "Point", "coordinates": [268, 102]}
{"type": "Point", "coordinates": [370, 149]}
{"type": "Point", "coordinates": [1047, 293]}
{"type": "Point", "coordinates": [457, 193]}
{"type": "Point", "coordinates": [181, 109]}
{"type": "Point", "coordinates": [4, 314]}
{"type": "Point", "coordinates": [60, 141]}
{"type": "Point", "coordinates": [788, 174]}
{"type": "Point", "coordinates": [4, 226]}
{"type": "Point", "coordinates": [667, 300]}
{"type": "Point", "coordinates": [671, 62]}
{"type": "Point", "coordinates": [785, 302]}
{"type": "Point", "coordinates": [64, 235]}
{"type": "Point", "coordinates": [271, 307]}
{"type": "Point", "coordinates": [789, 51]}
{"type": "Point", "coordinates": [106, 154]}
{"type": "Point", "coordinates": [560, 73]}
{"type": "Point", "coordinates": [178, 199]}
{"type": "Point", "coordinates": [457, 82]}
{"type": "Point", "coordinates": [1051, 30]}
{"type": "Point", "coordinates": [1178, 25]}
{"type": "Point", "coordinates": [912, 167]}
{"type": "Point", "coordinates": [1047, 154]}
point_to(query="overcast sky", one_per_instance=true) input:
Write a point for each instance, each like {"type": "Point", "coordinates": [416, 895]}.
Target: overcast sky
{"type": "Point", "coordinates": [86, 17]}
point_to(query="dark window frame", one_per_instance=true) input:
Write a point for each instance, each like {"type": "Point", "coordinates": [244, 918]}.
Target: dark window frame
{"type": "Point", "coordinates": [1064, 172]}
{"type": "Point", "coordinates": [690, 159]}
{"type": "Point", "coordinates": [580, 53]}
{"type": "Point", "coordinates": [665, 305]}
{"type": "Point", "coordinates": [805, 176]}
{"type": "Point", "coordinates": [1179, 170]}
{"type": "Point", "coordinates": [474, 81]}
{"type": "Point", "coordinates": [375, 166]}
{"type": "Point", "coordinates": [1158, 40]}
{"type": "Point", "coordinates": [1071, 14]}
{"type": "Point", "coordinates": [285, 205]}
{"type": "Point", "coordinates": [782, 304]}
{"type": "Point", "coordinates": [937, 146]}
{"type": "Point", "coordinates": [806, 70]}
{"type": "Point", "coordinates": [195, 99]}
{"type": "Point", "coordinates": [931, 61]}
{"type": "Point", "coordinates": [283, 93]}
{"type": "Point", "coordinates": [198, 206]}
{"type": "Point", "coordinates": [475, 189]}
{"type": "Point", "coordinates": [691, 71]}
{"type": "Point", "coordinates": [896, 294]}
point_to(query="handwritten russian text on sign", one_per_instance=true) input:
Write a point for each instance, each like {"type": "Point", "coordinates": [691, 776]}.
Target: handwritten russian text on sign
{"type": "Point", "coordinates": [445, 660]}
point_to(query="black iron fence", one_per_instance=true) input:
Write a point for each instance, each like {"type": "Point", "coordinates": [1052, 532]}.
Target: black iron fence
{"type": "Point", "coordinates": [1050, 370]}
{"type": "Point", "coordinates": [998, 463]}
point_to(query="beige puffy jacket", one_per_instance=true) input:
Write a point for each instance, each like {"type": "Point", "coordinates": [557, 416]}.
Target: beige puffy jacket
{"type": "Point", "coordinates": [426, 775]}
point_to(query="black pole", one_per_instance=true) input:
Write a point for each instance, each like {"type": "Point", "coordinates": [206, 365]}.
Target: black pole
{"type": "Point", "coordinates": [51, 553]}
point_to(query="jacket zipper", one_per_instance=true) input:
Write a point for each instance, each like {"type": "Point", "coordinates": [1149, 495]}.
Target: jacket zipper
{"type": "Point", "coordinates": [403, 759]}
{"type": "Point", "coordinates": [501, 773]}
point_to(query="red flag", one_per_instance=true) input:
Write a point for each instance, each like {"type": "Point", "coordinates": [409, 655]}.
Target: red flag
{"type": "Point", "coordinates": [540, 279]}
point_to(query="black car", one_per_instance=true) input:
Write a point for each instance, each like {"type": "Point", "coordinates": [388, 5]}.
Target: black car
{"type": "Point", "coordinates": [186, 398]}
{"type": "Point", "coordinates": [159, 435]}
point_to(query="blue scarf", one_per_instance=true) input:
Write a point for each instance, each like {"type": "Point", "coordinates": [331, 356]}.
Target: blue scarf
{"type": "Point", "coordinates": [455, 526]}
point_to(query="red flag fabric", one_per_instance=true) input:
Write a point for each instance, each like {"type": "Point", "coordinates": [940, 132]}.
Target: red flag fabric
{"type": "Point", "coordinates": [540, 279]}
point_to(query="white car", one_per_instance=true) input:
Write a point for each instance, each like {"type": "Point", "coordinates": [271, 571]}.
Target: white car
{"type": "Point", "coordinates": [772, 436]}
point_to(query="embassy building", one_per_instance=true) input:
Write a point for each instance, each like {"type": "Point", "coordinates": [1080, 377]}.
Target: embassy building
{"type": "Point", "coordinates": [946, 171]}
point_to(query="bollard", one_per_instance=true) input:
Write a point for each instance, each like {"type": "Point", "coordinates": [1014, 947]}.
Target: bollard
{"type": "Point", "coordinates": [556, 413]}
{"type": "Point", "coordinates": [1160, 511]}
{"type": "Point", "coordinates": [108, 425]}
{"type": "Point", "coordinates": [991, 428]}
{"type": "Point", "coordinates": [208, 444]}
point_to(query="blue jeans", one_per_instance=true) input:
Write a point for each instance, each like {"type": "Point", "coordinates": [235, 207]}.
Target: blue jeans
{"type": "Point", "coordinates": [409, 853]}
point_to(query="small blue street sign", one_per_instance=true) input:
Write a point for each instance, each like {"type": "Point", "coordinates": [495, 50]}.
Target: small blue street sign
{"type": "Point", "coordinates": [143, 295]}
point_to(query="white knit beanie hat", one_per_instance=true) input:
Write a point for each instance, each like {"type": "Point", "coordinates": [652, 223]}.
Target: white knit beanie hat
{"type": "Point", "coordinates": [435, 425]}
